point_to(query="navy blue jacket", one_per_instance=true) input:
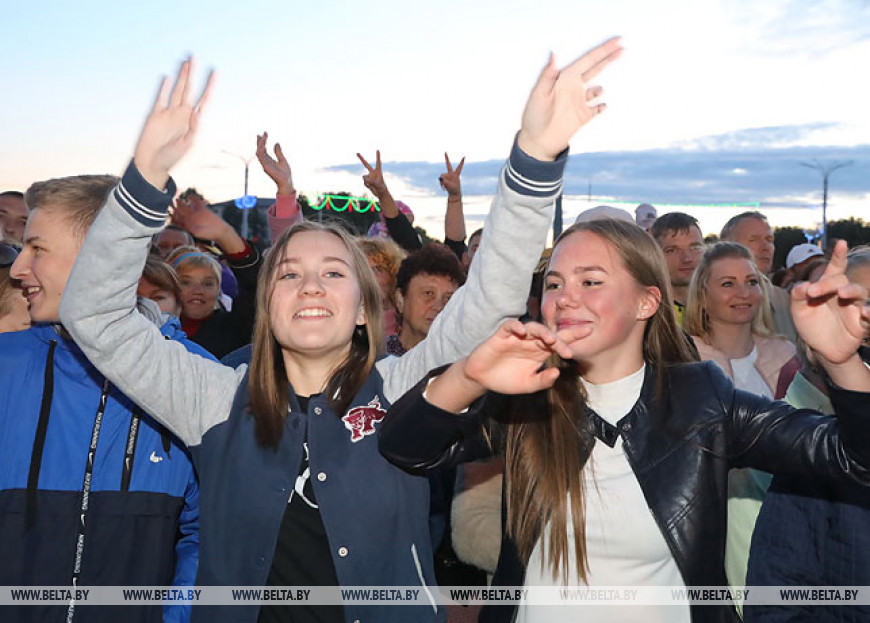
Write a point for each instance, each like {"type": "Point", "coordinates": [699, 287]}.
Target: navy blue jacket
{"type": "Point", "coordinates": [245, 488]}
{"type": "Point", "coordinates": [146, 533]}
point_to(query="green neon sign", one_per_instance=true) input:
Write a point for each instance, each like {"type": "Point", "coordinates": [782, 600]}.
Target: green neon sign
{"type": "Point", "coordinates": [342, 203]}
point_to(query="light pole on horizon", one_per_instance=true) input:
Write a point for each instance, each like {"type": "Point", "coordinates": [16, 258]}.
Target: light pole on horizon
{"type": "Point", "coordinates": [247, 162]}
{"type": "Point", "coordinates": [826, 171]}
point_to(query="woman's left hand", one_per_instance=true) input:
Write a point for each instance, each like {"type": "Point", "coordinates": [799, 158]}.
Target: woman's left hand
{"type": "Point", "coordinates": [830, 315]}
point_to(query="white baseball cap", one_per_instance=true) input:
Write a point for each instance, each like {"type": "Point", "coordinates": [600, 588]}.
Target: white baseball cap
{"type": "Point", "coordinates": [801, 253]}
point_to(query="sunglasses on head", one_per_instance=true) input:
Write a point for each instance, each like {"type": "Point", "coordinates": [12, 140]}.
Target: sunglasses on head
{"type": "Point", "coordinates": [8, 254]}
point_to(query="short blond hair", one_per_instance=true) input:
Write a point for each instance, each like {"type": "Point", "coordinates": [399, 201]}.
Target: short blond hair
{"type": "Point", "coordinates": [78, 198]}
{"type": "Point", "coordinates": [187, 256]}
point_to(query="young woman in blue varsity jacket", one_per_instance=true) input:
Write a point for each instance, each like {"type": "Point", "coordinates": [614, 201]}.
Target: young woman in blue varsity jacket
{"type": "Point", "coordinates": [300, 423]}
{"type": "Point", "coordinates": [647, 506]}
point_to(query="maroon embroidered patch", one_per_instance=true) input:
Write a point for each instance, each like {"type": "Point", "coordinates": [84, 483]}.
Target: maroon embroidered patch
{"type": "Point", "coordinates": [360, 421]}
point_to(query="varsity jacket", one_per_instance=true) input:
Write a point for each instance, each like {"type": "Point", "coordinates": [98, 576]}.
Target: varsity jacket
{"type": "Point", "coordinates": [141, 526]}
{"type": "Point", "coordinates": [680, 444]}
{"type": "Point", "coordinates": [374, 514]}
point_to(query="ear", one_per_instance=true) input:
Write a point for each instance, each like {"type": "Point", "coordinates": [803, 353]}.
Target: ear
{"type": "Point", "coordinates": [400, 301]}
{"type": "Point", "coordinates": [650, 299]}
{"type": "Point", "coordinates": [361, 315]}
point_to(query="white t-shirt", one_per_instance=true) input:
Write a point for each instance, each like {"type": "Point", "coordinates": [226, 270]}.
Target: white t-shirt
{"type": "Point", "coordinates": [623, 542]}
{"type": "Point", "coordinates": [747, 376]}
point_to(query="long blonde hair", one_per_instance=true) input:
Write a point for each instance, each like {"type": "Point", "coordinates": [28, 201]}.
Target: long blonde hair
{"type": "Point", "coordinates": [545, 455]}
{"type": "Point", "coordinates": [268, 384]}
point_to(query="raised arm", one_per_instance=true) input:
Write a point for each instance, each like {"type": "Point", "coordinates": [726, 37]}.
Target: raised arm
{"type": "Point", "coordinates": [454, 217]}
{"type": "Point", "coordinates": [400, 228]}
{"type": "Point", "coordinates": [286, 211]}
{"type": "Point", "coordinates": [187, 393]}
{"type": "Point", "coordinates": [518, 223]}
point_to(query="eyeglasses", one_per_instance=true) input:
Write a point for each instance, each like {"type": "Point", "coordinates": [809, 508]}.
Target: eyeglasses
{"type": "Point", "coordinates": [8, 254]}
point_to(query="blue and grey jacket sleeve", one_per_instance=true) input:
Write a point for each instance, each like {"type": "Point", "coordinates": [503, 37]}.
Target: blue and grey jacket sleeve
{"type": "Point", "coordinates": [499, 279]}
{"type": "Point", "coordinates": [185, 392]}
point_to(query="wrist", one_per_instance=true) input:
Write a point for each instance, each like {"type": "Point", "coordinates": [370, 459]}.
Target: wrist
{"type": "Point", "coordinates": [229, 241]}
{"type": "Point", "coordinates": [535, 150]}
{"type": "Point", "coordinates": [156, 176]}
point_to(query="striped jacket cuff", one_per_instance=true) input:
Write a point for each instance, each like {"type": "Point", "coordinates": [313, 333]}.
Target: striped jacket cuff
{"type": "Point", "coordinates": [141, 200]}
{"type": "Point", "coordinates": [532, 177]}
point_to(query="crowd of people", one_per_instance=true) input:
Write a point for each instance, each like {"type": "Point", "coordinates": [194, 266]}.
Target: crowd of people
{"type": "Point", "coordinates": [631, 407]}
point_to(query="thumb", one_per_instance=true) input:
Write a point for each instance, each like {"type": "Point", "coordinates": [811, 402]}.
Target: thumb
{"type": "Point", "coordinates": [547, 79]}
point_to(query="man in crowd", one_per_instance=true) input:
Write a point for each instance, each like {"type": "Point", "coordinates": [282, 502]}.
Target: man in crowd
{"type": "Point", "coordinates": [681, 240]}
{"type": "Point", "coordinates": [92, 490]}
{"type": "Point", "coordinates": [13, 216]}
{"type": "Point", "coordinates": [752, 230]}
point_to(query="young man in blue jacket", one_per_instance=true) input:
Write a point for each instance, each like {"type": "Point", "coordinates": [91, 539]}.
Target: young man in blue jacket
{"type": "Point", "coordinates": [92, 490]}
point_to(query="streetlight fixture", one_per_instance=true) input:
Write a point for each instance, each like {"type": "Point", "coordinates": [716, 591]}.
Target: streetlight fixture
{"type": "Point", "coordinates": [826, 170]}
{"type": "Point", "coordinates": [245, 202]}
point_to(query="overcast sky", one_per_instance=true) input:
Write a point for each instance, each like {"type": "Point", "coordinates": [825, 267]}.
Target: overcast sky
{"type": "Point", "coordinates": [712, 102]}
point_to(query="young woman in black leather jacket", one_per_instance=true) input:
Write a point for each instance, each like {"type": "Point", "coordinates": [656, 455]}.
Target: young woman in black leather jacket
{"type": "Point", "coordinates": [647, 507]}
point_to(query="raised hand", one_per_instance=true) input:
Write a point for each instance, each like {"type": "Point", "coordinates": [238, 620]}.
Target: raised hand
{"type": "Point", "coordinates": [510, 362]}
{"type": "Point", "coordinates": [202, 223]}
{"type": "Point", "coordinates": [374, 179]}
{"type": "Point", "coordinates": [831, 314]}
{"type": "Point", "coordinates": [170, 128]}
{"type": "Point", "coordinates": [450, 180]}
{"type": "Point", "coordinates": [562, 101]}
{"type": "Point", "coordinates": [276, 168]}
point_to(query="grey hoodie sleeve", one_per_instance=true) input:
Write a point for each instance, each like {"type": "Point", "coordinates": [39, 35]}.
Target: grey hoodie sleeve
{"type": "Point", "coordinates": [514, 235]}
{"type": "Point", "coordinates": [187, 393]}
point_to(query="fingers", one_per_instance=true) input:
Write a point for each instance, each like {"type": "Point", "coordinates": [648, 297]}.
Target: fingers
{"type": "Point", "coordinates": [206, 92]}
{"type": "Point", "coordinates": [365, 162]}
{"type": "Point", "coordinates": [378, 160]}
{"type": "Point", "coordinates": [162, 99]}
{"type": "Point", "coordinates": [837, 265]}
{"type": "Point", "coordinates": [595, 60]}
{"type": "Point", "coordinates": [461, 164]}
{"type": "Point", "coordinates": [513, 327]}
{"type": "Point", "coordinates": [279, 153]}
{"type": "Point", "coordinates": [547, 79]}
{"type": "Point", "coordinates": [546, 378]}
{"type": "Point", "coordinates": [447, 162]}
{"type": "Point", "coordinates": [261, 146]}
{"type": "Point", "coordinates": [852, 293]}
{"type": "Point", "coordinates": [179, 91]}
{"type": "Point", "coordinates": [826, 286]}
{"type": "Point", "coordinates": [572, 334]}
{"type": "Point", "coordinates": [593, 92]}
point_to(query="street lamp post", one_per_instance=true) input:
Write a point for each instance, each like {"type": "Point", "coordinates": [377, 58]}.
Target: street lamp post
{"type": "Point", "coordinates": [826, 171]}
{"type": "Point", "coordinates": [247, 162]}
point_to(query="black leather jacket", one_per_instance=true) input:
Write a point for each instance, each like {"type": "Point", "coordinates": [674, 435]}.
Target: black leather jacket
{"type": "Point", "coordinates": [680, 443]}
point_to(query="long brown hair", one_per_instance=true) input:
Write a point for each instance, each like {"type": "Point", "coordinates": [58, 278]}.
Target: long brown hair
{"type": "Point", "coordinates": [545, 456]}
{"type": "Point", "coordinates": [268, 385]}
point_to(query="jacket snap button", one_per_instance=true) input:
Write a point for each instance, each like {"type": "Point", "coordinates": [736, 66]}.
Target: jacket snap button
{"type": "Point", "coordinates": [318, 410]}
{"type": "Point", "coordinates": [626, 427]}
{"type": "Point", "coordinates": [321, 476]}
{"type": "Point", "coordinates": [342, 551]}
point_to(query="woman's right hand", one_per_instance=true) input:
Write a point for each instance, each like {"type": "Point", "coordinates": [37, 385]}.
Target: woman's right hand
{"type": "Point", "coordinates": [562, 102]}
{"type": "Point", "coordinates": [170, 128]}
{"type": "Point", "coordinates": [277, 168]}
{"type": "Point", "coordinates": [512, 360]}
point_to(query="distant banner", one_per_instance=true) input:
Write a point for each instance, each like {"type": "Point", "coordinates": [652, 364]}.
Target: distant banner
{"type": "Point", "coordinates": [421, 595]}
